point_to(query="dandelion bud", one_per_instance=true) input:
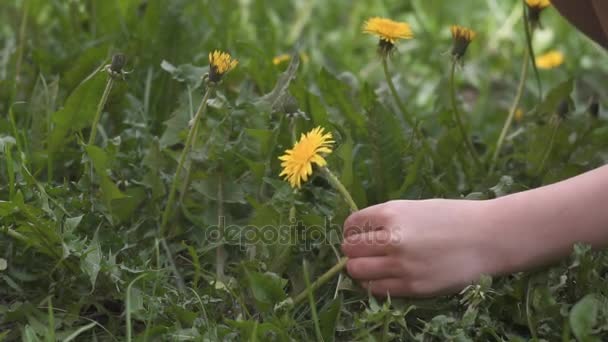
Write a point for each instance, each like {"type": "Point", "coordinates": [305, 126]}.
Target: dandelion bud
{"type": "Point", "coordinates": [118, 62]}
{"type": "Point", "coordinates": [535, 7]}
{"type": "Point", "coordinates": [563, 109]}
{"type": "Point", "coordinates": [461, 37]}
{"type": "Point", "coordinates": [594, 108]}
{"type": "Point", "coordinates": [219, 64]}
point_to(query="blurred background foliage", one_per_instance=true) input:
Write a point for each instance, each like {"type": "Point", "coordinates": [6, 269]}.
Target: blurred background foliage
{"type": "Point", "coordinates": [81, 257]}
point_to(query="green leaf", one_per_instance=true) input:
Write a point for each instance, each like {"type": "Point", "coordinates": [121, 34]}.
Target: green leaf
{"type": "Point", "coordinates": [583, 317]}
{"type": "Point", "coordinates": [338, 93]}
{"type": "Point", "coordinates": [329, 317]}
{"type": "Point", "coordinates": [79, 331]}
{"type": "Point", "coordinates": [232, 192]}
{"type": "Point", "coordinates": [91, 263]}
{"type": "Point", "coordinates": [188, 73]}
{"type": "Point", "coordinates": [267, 289]}
{"type": "Point", "coordinates": [274, 100]}
{"type": "Point", "coordinates": [101, 163]}
{"type": "Point", "coordinates": [78, 111]}
{"type": "Point", "coordinates": [559, 93]}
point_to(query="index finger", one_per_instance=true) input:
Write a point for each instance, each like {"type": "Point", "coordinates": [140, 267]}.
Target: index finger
{"type": "Point", "coordinates": [365, 220]}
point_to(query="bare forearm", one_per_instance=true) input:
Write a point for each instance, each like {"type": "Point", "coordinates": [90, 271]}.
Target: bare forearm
{"type": "Point", "coordinates": [537, 226]}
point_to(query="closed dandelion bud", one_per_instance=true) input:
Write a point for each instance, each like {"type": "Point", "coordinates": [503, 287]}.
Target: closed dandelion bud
{"type": "Point", "coordinates": [461, 38]}
{"type": "Point", "coordinates": [289, 105]}
{"type": "Point", "coordinates": [594, 108]}
{"type": "Point", "coordinates": [563, 109]}
{"type": "Point", "coordinates": [535, 8]}
{"type": "Point", "coordinates": [118, 63]}
{"type": "Point", "coordinates": [219, 64]}
{"type": "Point", "coordinates": [519, 115]}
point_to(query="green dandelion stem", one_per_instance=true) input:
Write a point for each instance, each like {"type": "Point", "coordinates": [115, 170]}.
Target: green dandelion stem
{"type": "Point", "coordinates": [457, 117]}
{"type": "Point", "coordinates": [529, 31]}
{"type": "Point", "coordinates": [391, 86]}
{"type": "Point", "coordinates": [100, 106]}
{"type": "Point", "coordinates": [220, 252]}
{"type": "Point", "coordinates": [408, 118]}
{"type": "Point", "coordinates": [335, 182]}
{"type": "Point", "coordinates": [182, 159]}
{"type": "Point", "coordinates": [324, 278]}
{"type": "Point", "coordinates": [548, 150]}
{"type": "Point", "coordinates": [512, 110]}
{"type": "Point", "coordinates": [20, 49]}
{"type": "Point", "coordinates": [311, 302]}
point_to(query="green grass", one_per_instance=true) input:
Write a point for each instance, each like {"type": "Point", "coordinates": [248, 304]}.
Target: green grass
{"type": "Point", "coordinates": [81, 251]}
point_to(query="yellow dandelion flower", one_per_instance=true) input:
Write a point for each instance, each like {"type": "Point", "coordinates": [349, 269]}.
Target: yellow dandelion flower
{"type": "Point", "coordinates": [388, 31]}
{"type": "Point", "coordinates": [519, 115]}
{"type": "Point", "coordinates": [461, 37]}
{"type": "Point", "coordinates": [539, 4]}
{"type": "Point", "coordinates": [281, 59]}
{"type": "Point", "coordinates": [297, 162]}
{"type": "Point", "coordinates": [550, 60]}
{"type": "Point", "coordinates": [535, 7]}
{"type": "Point", "coordinates": [219, 64]}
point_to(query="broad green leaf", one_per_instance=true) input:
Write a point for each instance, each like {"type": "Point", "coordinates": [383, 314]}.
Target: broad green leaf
{"type": "Point", "coordinates": [91, 263]}
{"type": "Point", "coordinates": [583, 317]}
{"type": "Point", "coordinates": [231, 192]}
{"type": "Point", "coordinates": [101, 163]}
{"type": "Point", "coordinates": [274, 100]}
{"type": "Point", "coordinates": [188, 73]}
{"type": "Point", "coordinates": [267, 289]}
{"type": "Point", "coordinates": [559, 93]}
{"type": "Point", "coordinates": [329, 318]}
{"type": "Point", "coordinates": [78, 111]}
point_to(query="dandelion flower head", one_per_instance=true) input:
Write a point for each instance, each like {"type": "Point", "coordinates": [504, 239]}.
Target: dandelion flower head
{"type": "Point", "coordinates": [297, 162]}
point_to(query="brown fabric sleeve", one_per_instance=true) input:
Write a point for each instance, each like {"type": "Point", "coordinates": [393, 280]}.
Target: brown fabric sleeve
{"type": "Point", "coordinates": [601, 10]}
{"type": "Point", "coordinates": [589, 16]}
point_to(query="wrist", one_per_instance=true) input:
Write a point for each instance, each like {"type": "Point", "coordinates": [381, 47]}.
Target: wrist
{"type": "Point", "coordinates": [502, 237]}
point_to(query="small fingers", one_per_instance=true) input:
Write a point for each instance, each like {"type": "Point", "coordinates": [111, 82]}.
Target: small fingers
{"type": "Point", "coordinates": [372, 268]}
{"type": "Point", "coordinates": [370, 244]}
{"type": "Point", "coordinates": [365, 220]}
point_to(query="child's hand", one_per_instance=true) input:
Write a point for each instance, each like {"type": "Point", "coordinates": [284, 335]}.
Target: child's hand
{"type": "Point", "coordinates": [417, 248]}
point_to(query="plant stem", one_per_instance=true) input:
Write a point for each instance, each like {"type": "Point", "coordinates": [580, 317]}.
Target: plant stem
{"type": "Point", "coordinates": [529, 31]}
{"type": "Point", "coordinates": [463, 131]}
{"type": "Point", "coordinates": [407, 117]}
{"type": "Point", "coordinates": [197, 118]}
{"type": "Point", "coordinates": [548, 150]}
{"type": "Point", "coordinates": [128, 307]}
{"type": "Point", "coordinates": [220, 253]}
{"type": "Point", "coordinates": [51, 319]}
{"type": "Point", "coordinates": [100, 106]}
{"type": "Point", "coordinates": [311, 301]}
{"type": "Point", "coordinates": [335, 182]}
{"type": "Point", "coordinates": [391, 86]}
{"type": "Point", "coordinates": [324, 278]}
{"type": "Point", "coordinates": [20, 49]}
{"type": "Point", "coordinates": [15, 235]}
{"type": "Point", "coordinates": [512, 110]}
